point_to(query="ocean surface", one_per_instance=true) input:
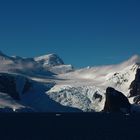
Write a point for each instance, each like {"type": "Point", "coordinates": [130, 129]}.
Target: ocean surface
{"type": "Point", "coordinates": [69, 126]}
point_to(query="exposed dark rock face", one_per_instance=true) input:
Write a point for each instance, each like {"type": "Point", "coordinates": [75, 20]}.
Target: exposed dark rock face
{"type": "Point", "coordinates": [8, 85]}
{"type": "Point", "coordinates": [137, 99]}
{"type": "Point", "coordinates": [97, 96]}
{"type": "Point", "coordinates": [27, 86]}
{"type": "Point", "coordinates": [116, 102]}
{"type": "Point", "coordinates": [135, 85]}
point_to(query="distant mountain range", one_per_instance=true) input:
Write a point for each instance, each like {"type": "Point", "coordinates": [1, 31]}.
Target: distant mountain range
{"type": "Point", "coordinates": [47, 84]}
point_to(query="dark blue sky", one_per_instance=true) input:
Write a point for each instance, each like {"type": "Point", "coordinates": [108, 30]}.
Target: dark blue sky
{"type": "Point", "coordinates": [82, 32]}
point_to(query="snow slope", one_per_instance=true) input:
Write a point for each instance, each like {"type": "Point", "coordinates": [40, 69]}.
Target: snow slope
{"type": "Point", "coordinates": [6, 102]}
{"type": "Point", "coordinates": [56, 87]}
{"type": "Point", "coordinates": [21, 93]}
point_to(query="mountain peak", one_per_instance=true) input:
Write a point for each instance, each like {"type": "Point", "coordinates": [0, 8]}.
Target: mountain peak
{"type": "Point", "coordinates": [50, 60]}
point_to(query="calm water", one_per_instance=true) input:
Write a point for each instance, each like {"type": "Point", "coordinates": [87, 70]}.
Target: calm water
{"type": "Point", "coordinates": [86, 126]}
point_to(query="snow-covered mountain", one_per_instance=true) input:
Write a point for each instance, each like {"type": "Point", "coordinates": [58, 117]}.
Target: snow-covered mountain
{"type": "Point", "coordinates": [44, 65]}
{"type": "Point", "coordinates": [49, 60]}
{"type": "Point", "coordinates": [53, 63]}
{"type": "Point", "coordinates": [46, 84]}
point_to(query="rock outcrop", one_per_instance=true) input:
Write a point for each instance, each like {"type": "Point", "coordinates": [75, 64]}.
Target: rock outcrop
{"type": "Point", "coordinates": [135, 85]}
{"type": "Point", "coordinates": [116, 101]}
{"type": "Point", "coordinates": [137, 99]}
{"type": "Point", "coordinates": [8, 86]}
{"type": "Point", "coordinates": [13, 85]}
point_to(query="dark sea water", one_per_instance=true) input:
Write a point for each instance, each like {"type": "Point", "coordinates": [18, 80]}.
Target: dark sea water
{"type": "Point", "coordinates": [69, 126]}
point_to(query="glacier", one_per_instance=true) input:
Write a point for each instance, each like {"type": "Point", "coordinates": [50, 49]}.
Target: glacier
{"type": "Point", "coordinates": [53, 86]}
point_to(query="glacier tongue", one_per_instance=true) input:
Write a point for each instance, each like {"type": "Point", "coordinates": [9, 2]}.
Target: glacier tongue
{"type": "Point", "coordinates": [82, 97]}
